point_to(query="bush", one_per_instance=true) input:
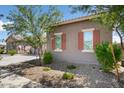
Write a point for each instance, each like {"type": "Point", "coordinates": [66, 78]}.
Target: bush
{"type": "Point", "coordinates": [12, 52]}
{"type": "Point", "coordinates": [105, 57]}
{"type": "Point", "coordinates": [47, 58]}
{"type": "Point", "coordinates": [46, 69]}
{"type": "Point", "coordinates": [71, 67]}
{"type": "Point", "coordinates": [1, 51]}
{"type": "Point", "coordinates": [67, 75]}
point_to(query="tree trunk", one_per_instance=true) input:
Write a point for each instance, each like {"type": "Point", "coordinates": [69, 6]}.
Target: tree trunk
{"type": "Point", "coordinates": [121, 38]}
{"type": "Point", "coordinates": [115, 63]}
{"type": "Point", "coordinates": [40, 55]}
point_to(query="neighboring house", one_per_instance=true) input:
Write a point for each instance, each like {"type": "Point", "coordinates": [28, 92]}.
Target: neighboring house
{"type": "Point", "coordinates": [11, 41]}
{"type": "Point", "coordinates": [74, 40]}
{"type": "Point", "coordinates": [14, 42]}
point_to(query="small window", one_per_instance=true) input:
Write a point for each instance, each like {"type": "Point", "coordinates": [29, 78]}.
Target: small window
{"type": "Point", "coordinates": [88, 40]}
{"type": "Point", "coordinates": [58, 41]}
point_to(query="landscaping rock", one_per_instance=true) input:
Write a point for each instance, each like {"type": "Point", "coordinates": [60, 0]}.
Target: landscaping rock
{"type": "Point", "coordinates": [15, 81]}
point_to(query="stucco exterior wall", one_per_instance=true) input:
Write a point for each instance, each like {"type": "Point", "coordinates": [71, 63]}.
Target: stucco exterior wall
{"type": "Point", "coordinates": [72, 54]}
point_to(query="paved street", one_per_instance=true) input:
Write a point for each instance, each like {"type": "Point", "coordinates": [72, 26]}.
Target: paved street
{"type": "Point", "coordinates": [8, 60]}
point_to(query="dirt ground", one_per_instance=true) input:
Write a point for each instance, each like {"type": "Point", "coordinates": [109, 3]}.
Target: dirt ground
{"type": "Point", "coordinates": [53, 78]}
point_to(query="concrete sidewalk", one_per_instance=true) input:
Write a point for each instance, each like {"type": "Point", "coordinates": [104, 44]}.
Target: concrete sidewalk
{"type": "Point", "coordinates": [16, 59]}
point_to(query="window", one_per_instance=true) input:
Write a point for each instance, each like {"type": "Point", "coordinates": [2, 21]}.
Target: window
{"type": "Point", "coordinates": [88, 40]}
{"type": "Point", "coordinates": [58, 42]}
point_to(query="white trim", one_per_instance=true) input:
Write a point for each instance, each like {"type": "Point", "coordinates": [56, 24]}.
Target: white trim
{"type": "Point", "coordinates": [58, 33]}
{"type": "Point", "coordinates": [89, 29]}
{"type": "Point", "coordinates": [58, 50]}
{"type": "Point", "coordinates": [87, 51]}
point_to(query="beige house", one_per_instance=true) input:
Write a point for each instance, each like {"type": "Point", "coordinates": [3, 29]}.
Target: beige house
{"type": "Point", "coordinates": [14, 42]}
{"type": "Point", "coordinates": [74, 40]}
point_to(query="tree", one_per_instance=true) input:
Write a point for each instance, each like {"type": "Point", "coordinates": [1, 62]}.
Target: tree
{"type": "Point", "coordinates": [1, 15]}
{"type": "Point", "coordinates": [108, 56]}
{"type": "Point", "coordinates": [110, 15]}
{"type": "Point", "coordinates": [32, 23]}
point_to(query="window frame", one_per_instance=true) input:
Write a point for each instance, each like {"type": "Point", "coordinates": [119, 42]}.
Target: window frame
{"type": "Point", "coordinates": [58, 49]}
{"type": "Point", "coordinates": [88, 30]}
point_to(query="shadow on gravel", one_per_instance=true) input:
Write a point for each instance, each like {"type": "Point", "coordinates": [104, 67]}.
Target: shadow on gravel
{"type": "Point", "coordinates": [17, 68]}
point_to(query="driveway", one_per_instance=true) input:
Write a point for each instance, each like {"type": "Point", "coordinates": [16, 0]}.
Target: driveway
{"type": "Point", "coordinates": [16, 59]}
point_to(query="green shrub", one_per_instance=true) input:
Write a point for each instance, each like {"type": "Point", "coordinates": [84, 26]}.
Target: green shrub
{"type": "Point", "coordinates": [12, 52]}
{"type": "Point", "coordinates": [67, 75]}
{"type": "Point", "coordinates": [1, 51]}
{"type": "Point", "coordinates": [46, 69]}
{"type": "Point", "coordinates": [104, 55]}
{"type": "Point", "coordinates": [47, 58]}
{"type": "Point", "coordinates": [71, 67]}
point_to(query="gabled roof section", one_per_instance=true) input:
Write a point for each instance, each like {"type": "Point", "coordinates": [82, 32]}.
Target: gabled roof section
{"type": "Point", "coordinates": [14, 37]}
{"type": "Point", "coordinates": [84, 18]}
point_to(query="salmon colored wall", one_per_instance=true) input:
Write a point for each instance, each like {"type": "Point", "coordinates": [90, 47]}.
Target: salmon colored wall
{"type": "Point", "coordinates": [72, 53]}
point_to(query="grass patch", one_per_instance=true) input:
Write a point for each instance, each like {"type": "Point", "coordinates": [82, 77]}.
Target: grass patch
{"type": "Point", "coordinates": [71, 67]}
{"type": "Point", "coordinates": [47, 69]}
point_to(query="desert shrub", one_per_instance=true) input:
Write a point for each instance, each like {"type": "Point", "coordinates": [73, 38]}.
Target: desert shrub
{"type": "Point", "coordinates": [47, 58]}
{"type": "Point", "coordinates": [71, 67]}
{"type": "Point", "coordinates": [67, 75]}
{"type": "Point", "coordinates": [1, 51]}
{"type": "Point", "coordinates": [46, 69]}
{"type": "Point", "coordinates": [12, 52]}
{"type": "Point", "coordinates": [105, 57]}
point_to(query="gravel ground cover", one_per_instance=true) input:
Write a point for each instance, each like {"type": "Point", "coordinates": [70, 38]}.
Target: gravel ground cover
{"type": "Point", "coordinates": [95, 77]}
{"type": "Point", "coordinates": [87, 76]}
{"type": "Point", "coordinates": [10, 77]}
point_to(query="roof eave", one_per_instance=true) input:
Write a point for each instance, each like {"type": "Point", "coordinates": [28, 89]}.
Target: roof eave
{"type": "Point", "coordinates": [77, 20]}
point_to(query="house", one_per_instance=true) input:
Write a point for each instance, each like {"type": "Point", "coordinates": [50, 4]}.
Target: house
{"type": "Point", "coordinates": [14, 42]}
{"type": "Point", "coordinates": [74, 40]}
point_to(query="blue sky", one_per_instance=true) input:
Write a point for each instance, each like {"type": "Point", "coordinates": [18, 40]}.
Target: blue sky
{"type": "Point", "coordinates": [5, 10]}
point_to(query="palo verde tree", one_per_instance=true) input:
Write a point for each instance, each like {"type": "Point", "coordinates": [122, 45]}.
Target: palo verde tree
{"type": "Point", "coordinates": [111, 16]}
{"type": "Point", "coordinates": [32, 23]}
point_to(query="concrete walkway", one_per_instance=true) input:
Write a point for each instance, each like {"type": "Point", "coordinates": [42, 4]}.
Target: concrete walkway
{"type": "Point", "coordinates": [16, 59]}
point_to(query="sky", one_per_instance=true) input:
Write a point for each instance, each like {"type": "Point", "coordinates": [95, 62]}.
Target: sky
{"type": "Point", "coordinates": [66, 11]}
